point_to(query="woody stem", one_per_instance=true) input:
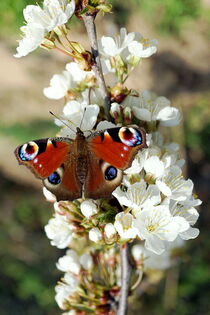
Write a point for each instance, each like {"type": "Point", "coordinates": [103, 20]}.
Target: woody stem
{"type": "Point", "coordinates": [125, 280]}
{"type": "Point", "coordinates": [89, 21]}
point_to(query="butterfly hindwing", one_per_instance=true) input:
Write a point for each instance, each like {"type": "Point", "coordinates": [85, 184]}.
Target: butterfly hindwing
{"type": "Point", "coordinates": [110, 152]}
{"type": "Point", "coordinates": [102, 178]}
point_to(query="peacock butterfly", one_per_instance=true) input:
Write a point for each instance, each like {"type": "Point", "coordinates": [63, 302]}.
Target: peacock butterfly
{"type": "Point", "coordinates": [90, 167]}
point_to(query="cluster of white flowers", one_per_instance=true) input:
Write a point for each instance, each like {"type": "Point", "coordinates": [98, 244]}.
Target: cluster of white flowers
{"type": "Point", "coordinates": [41, 21]}
{"type": "Point", "coordinates": [71, 264]}
{"type": "Point", "coordinates": [72, 79]}
{"type": "Point", "coordinates": [150, 108]}
{"type": "Point", "coordinates": [123, 51]}
{"type": "Point", "coordinates": [59, 230]}
{"type": "Point", "coordinates": [159, 201]}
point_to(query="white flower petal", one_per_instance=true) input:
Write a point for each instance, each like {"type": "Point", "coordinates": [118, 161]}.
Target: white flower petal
{"type": "Point", "coordinates": [142, 113]}
{"type": "Point", "coordinates": [191, 233]}
{"type": "Point", "coordinates": [86, 261]}
{"type": "Point", "coordinates": [153, 165]}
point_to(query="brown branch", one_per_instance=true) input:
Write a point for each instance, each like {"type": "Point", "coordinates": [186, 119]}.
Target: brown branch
{"type": "Point", "coordinates": [125, 280]}
{"type": "Point", "coordinates": [89, 21]}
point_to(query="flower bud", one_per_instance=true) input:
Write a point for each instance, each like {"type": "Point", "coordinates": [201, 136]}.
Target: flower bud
{"type": "Point", "coordinates": [127, 115]}
{"type": "Point", "coordinates": [95, 235]}
{"type": "Point", "coordinates": [69, 262]}
{"type": "Point", "coordinates": [110, 231]}
{"type": "Point", "coordinates": [88, 208]}
{"type": "Point", "coordinates": [115, 111]}
{"type": "Point", "coordinates": [138, 252]}
{"type": "Point", "coordinates": [86, 261]}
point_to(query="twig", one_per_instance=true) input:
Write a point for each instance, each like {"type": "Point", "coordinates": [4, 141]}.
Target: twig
{"type": "Point", "coordinates": [89, 21]}
{"type": "Point", "coordinates": [125, 280]}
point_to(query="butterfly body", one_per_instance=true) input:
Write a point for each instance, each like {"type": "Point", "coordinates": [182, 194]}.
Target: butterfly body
{"type": "Point", "coordinates": [90, 167]}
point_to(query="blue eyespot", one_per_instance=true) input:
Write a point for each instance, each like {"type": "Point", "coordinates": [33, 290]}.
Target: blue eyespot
{"type": "Point", "coordinates": [54, 178]}
{"type": "Point", "coordinates": [110, 173]}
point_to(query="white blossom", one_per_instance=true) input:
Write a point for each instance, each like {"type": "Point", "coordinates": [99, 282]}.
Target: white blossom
{"type": "Point", "coordinates": [95, 235]}
{"type": "Point", "coordinates": [149, 259]}
{"type": "Point", "coordinates": [171, 156]}
{"type": "Point", "coordinates": [189, 213]}
{"type": "Point", "coordinates": [78, 114]}
{"type": "Point", "coordinates": [154, 166]}
{"type": "Point", "coordinates": [110, 47]}
{"type": "Point", "coordinates": [142, 48]}
{"type": "Point", "coordinates": [86, 261]}
{"type": "Point", "coordinates": [149, 107]}
{"type": "Point", "coordinates": [32, 38]}
{"type": "Point", "coordinates": [59, 231]}
{"type": "Point", "coordinates": [156, 225]}
{"type": "Point", "coordinates": [60, 84]}
{"type": "Point", "coordinates": [69, 263]}
{"type": "Point", "coordinates": [41, 21]}
{"type": "Point", "coordinates": [66, 289]}
{"type": "Point", "coordinates": [124, 224]}
{"type": "Point", "coordinates": [88, 208]}
{"type": "Point", "coordinates": [173, 185]}
{"type": "Point", "coordinates": [140, 159]}
{"type": "Point", "coordinates": [126, 45]}
{"type": "Point", "coordinates": [138, 195]}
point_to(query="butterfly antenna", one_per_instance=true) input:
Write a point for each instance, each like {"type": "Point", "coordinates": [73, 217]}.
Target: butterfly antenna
{"type": "Point", "coordinates": [82, 118]}
{"type": "Point", "coordinates": [61, 121]}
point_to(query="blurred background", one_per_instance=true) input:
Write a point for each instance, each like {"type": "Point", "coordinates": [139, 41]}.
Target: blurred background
{"type": "Point", "coordinates": [180, 71]}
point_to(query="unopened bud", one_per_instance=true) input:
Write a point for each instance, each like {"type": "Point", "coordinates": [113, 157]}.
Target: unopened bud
{"type": "Point", "coordinates": [110, 231]}
{"type": "Point", "coordinates": [115, 110]}
{"type": "Point", "coordinates": [86, 261]}
{"type": "Point", "coordinates": [88, 208]}
{"type": "Point", "coordinates": [95, 235]}
{"type": "Point", "coordinates": [127, 115]}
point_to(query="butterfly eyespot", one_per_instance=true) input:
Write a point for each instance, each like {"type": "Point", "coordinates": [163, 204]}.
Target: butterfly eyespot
{"type": "Point", "coordinates": [130, 136]}
{"type": "Point", "coordinates": [28, 151]}
{"type": "Point", "coordinates": [110, 173]}
{"type": "Point", "coordinates": [55, 178]}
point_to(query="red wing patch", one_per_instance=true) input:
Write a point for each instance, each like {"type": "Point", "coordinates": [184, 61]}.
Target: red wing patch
{"type": "Point", "coordinates": [43, 156]}
{"type": "Point", "coordinates": [109, 147]}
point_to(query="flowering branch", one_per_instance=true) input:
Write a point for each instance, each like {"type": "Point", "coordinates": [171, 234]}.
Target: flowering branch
{"type": "Point", "coordinates": [152, 203]}
{"type": "Point", "coordinates": [89, 21]}
{"type": "Point", "coordinates": [125, 280]}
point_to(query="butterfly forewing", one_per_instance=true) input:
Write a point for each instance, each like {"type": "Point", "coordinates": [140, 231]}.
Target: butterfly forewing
{"type": "Point", "coordinates": [52, 160]}
{"type": "Point", "coordinates": [118, 146]}
{"type": "Point", "coordinates": [43, 156]}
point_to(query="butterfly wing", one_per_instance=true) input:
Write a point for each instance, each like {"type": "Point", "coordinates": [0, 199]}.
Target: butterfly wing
{"type": "Point", "coordinates": [53, 160]}
{"type": "Point", "coordinates": [111, 152]}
